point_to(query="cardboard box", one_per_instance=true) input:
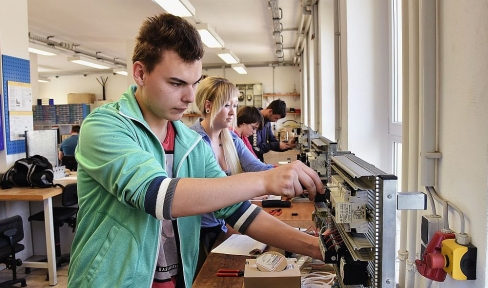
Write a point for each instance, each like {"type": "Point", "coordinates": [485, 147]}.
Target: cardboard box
{"type": "Point", "coordinates": [288, 278]}
{"type": "Point", "coordinates": [81, 98]}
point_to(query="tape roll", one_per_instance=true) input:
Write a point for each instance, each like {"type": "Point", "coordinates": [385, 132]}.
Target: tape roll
{"type": "Point", "coordinates": [271, 262]}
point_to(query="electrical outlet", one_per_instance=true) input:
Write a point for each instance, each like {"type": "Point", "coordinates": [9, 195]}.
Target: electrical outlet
{"type": "Point", "coordinates": [429, 225]}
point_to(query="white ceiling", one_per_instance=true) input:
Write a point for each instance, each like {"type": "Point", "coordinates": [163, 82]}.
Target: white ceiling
{"type": "Point", "coordinates": [107, 26]}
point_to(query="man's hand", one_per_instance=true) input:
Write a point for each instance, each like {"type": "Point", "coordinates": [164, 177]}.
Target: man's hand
{"type": "Point", "coordinates": [292, 179]}
{"type": "Point", "coordinates": [283, 145]}
{"type": "Point", "coordinates": [287, 145]}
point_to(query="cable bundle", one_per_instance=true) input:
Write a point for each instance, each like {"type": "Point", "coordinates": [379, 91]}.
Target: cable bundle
{"type": "Point", "coordinates": [319, 279]}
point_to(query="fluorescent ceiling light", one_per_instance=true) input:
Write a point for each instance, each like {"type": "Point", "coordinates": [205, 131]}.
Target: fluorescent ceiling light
{"type": "Point", "coordinates": [228, 56]}
{"type": "Point", "coordinates": [209, 36]}
{"type": "Point", "coordinates": [42, 49]}
{"type": "Point", "coordinates": [121, 71]}
{"type": "Point", "coordinates": [88, 62]}
{"type": "Point", "coordinates": [181, 8]}
{"type": "Point", "coordinates": [43, 79]}
{"type": "Point", "coordinates": [240, 68]}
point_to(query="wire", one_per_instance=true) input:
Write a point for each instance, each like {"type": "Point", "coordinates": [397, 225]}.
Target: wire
{"type": "Point", "coordinates": [441, 200]}
{"type": "Point", "coordinates": [427, 188]}
{"type": "Point", "coordinates": [318, 279]}
{"type": "Point", "coordinates": [444, 206]}
{"type": "Point", "coordinates": [312, 231]}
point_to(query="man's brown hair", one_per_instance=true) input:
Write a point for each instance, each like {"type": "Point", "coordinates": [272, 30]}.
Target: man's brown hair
{"type": "Point", "coordinates": [166, 32]}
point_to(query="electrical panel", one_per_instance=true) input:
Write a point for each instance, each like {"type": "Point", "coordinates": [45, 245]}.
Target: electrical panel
{"type": "Point", "coordinates": [356, 216]}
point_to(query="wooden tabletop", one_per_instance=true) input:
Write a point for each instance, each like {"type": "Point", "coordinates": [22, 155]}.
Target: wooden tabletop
{"type": "Point", "coordinates": [273, 157]}
{"type": "Point", "coordinates": [298, 215]}
{"type": "Point", "coordinates": [33, 194]}
{"type": "Point", "coordinates": [207, 276]}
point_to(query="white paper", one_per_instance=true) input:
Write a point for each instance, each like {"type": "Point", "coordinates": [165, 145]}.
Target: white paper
{"type": "Point", "coordinates": [238, 244]}
{"type": "Point", "coordinates": [19, 124]}
{"type": "Point", "coordinates": [19, 96]}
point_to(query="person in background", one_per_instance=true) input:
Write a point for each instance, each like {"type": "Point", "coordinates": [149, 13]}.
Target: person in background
{"type": "Point", "coordinates": [216, 98]}
{"type": "Point", "coordinates": [249, 119]}
{"type": "Point", "coordinates": [144, 178]}
{"type": "Point", "coordinates": [263, 140]}
{"type": "Point", "coordinates": [68, 146]}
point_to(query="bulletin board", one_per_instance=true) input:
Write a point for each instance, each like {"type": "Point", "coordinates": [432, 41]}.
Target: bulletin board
{"type": "Point", "coordinates": [16, 79]}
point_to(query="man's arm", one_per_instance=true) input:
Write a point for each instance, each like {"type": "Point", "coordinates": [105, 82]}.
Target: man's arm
{"type": "Point", "coordinates": [265, 140]}
{"type": "Point", "coordinates": [268, 229]}
{"type": "Point", "coordinates": [60, 155]}
{"type": "Point", "coordinates": [287, 180]}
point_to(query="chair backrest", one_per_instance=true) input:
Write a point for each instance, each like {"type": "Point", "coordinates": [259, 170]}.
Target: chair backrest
{"type": "Point", "coordinates": [14, 222]}
{"type": "Point", "coordinates": [70, 195]}
{"type": "Point", "coordinates": [70, 162]}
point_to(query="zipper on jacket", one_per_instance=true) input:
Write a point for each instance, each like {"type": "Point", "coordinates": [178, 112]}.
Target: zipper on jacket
{"type": "Point", "coordinates": [176, 175]}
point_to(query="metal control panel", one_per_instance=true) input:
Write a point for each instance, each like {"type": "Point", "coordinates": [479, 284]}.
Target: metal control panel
{"type": "Point", "coordinates": [357, 216]}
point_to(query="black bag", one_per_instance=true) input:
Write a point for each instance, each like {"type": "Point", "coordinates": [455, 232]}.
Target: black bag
{"type": "Point", "coordinates": [34, 171]}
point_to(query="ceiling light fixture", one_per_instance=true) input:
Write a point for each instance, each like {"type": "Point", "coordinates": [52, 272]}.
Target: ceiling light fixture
{"type": "Point", "coordinates": [42, 49]}
{"type": "Point", "coordinates": [88, 62]}
{"type": "Point", "coordinates": [121, 71]}
{"type": "Point", "coordinates": [209, 36]}
{"type": "Point", "coordinates": [228, 56]}
{"type": "Point", "coordinates": [181, 8]}
{"type": "Point", "coordinates": [240, 68]}
{"type": "Point", "coordinates": [43, 79]}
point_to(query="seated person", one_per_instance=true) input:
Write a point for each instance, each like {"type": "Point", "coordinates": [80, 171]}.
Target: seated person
{"type": "Point", "coordinates": [249, 119]}
{"type": "Point", "coordinates": [216, 98]}
{"type": "Point", "coordinates": [68, 147]}
{"type": "Point", "coordinates": [263, 140]}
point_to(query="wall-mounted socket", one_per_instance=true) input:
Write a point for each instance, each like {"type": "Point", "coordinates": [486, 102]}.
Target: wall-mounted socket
{"type": "Point", "coordinates": [429, 225]}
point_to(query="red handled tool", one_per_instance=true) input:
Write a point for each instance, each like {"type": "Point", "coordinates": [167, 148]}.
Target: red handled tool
{"type": "Point", "coordinates": [229, 273]}
{"type": "Point", "coordinates": [275, 212]}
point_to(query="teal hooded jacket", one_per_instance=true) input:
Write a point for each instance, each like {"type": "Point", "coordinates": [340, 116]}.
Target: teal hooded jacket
{"type": "Point", "coordinates": [124, 192]}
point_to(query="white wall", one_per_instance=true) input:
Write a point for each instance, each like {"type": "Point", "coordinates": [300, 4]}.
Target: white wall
{"type": "Point", "coordinates": [463, 114]}
{"type": "Point", "coordinates": [59, 88]}
{"type": "Point", "coordinates": [279, 79]}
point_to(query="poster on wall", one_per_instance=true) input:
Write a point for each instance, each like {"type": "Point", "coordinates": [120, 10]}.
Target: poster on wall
{"type": "Point", "coordinates": [19, 123]}
{"type": "Point", "coordinates": [19, 96]}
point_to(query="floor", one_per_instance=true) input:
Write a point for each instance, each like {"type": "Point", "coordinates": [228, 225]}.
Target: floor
{"type": "Point", "coordinates": [37, 277]}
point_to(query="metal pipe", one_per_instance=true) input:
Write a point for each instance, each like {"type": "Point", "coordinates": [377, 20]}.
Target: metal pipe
{"type": "Point", "coordinates": [337, 68]}
{"type": "Point", "coordinates": [427, 49]}
{"type": "Point", "coordinates": [316, 67]}
{"type": "Point", "coordinates": [72, 48]}
{"type": "Point", "coordinates": [413, 133]}
{"type": "Point", "coordinates": [402, 252]}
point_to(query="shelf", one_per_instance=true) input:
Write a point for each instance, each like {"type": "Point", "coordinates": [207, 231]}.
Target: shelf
{"type": "Point", "coordinates": [295, 113]}
{"type": "Point", "coordinates": [278, 95]}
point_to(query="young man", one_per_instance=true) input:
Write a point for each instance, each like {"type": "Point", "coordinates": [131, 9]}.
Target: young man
{"type": "Point", "coordinates": [68, 146]}
{"type": "Point", "coordinates": [264, 140]}
{"type": "Point", "coordinates": [141, 176]}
